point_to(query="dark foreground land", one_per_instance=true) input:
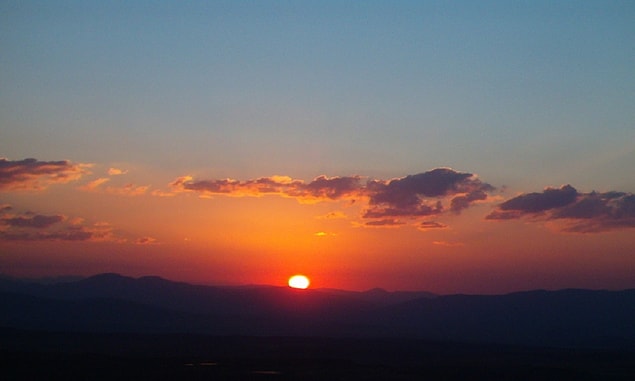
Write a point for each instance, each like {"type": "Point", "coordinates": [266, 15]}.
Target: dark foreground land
{"type": "Point", "coordinates": [32, 355]}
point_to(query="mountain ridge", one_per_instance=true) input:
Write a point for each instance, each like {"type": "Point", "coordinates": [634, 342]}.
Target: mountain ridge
{"type": "Point", "coordinates": [112, 302]}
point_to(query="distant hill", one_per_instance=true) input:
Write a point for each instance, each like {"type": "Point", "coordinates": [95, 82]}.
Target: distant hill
{"type": "Point", "coordinates": [114, 303]}
{"type": "Point", "coordinates": [564, 318]}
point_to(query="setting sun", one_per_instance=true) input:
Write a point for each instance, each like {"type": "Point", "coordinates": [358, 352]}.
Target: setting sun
{"type": "Point", "coordinates": [299, 281]}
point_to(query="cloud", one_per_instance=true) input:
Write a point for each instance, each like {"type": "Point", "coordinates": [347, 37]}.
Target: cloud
{"type": "Point", "coordinates": [146, 241]}
{"type": "Point", "coordinates": [37, 221]}
{"type": "Point", "coordinates": [550, 198]}
{"type": "Point", "coordinates": [94, 185]}
{"type": "Point", "coordinates": [463, 202]}
{"type": "Point", "coordinates": [32, 174]}
{"type": "Point", "coordinates": [427, 225]}
{"type": "Point", "coordinates": [116, 171]}
{"type": "Point", "coordinates": [161, 193]}
{"type": "Point", "coordinates": [336, 215]}
{"type": "Point", "coordinates": [420, 209]}
{"type": "Point", "coordinates": [321, 188]}
{"type": "Point", "coordinates": [75, 233]}
{"type": "Point", "coordinates": [30, 226]}
{"type": "Point", "coordinates": [333, 188]}
{"type": "Point", "coordinates": [384, 222]}
{"type": "Point", "coordinates": [126, 190]}
{"type": "Point", "coordinates": [413, 196]}
{"type": "Point", "coordinates": [68, 233]}
{"type": "Point", "coordinates": [448, 244]}
{"type": "Point", "coordinates": [580, 212]}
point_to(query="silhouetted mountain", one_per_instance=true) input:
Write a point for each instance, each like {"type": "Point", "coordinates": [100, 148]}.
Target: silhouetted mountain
{"type": "Point", "coordinates": [256, 301]}
{"type": "Point", "coordinates": [565, 317]}
{"type": "Point", "coordinates": [381, 297]}
{"type": "Point", "coordinates": [111, 302]}
{"type": "Point", "coordinates": [99, 315]}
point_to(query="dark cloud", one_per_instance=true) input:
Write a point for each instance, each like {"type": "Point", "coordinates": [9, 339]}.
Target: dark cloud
{"type": "Point", "coordinates": [66, 234]}
{"type": "Point", "coordinates": [463, 202]}
{"type": "Point", "coordinates": [15, 236]}
{"type": "Point", "coordinates": [333, 188]}
{"type": "Point", "coordinates": [425, 225]}
{"type": "Point", "coordinates": [419, 209]}
{"type": "Point", "coordinates": [581, 212]}
{"type": "Point", "coordinates": [592, 205]}
{"type": "Point", "coordinates": [72, 233]}
{"type": "Point", "coordinates": [37, 221]}
{"type": "Point", "coordinates": [217, 186]}
{"type": "Point", "coordinates": [29, 226]}
{"type": "Point", "coordinates": [597, 212]}
{"type": "Point", "coordinates": [385, 222]}
{"type": "Point", "coordinates": [550, 198]}
{"type": "Point", "coordinates": [410, 195]}
{"type": "Point", "coordinates": [504, 215]}
{"type": "Point", "coordinates": [434, 183]}
{"type": "Point", "coordinates": [32, 174]}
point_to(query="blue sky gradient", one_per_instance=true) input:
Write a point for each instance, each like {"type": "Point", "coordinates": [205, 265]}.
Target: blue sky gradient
{"type": "Point", "coordinates": [526, 94]}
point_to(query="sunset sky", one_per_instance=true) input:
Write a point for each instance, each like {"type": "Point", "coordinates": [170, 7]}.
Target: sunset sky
{"type": "Point", "coordinates": [446, 146]}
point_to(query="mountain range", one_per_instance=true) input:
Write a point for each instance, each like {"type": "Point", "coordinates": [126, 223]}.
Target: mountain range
{"type": "Point", "coordinates": [115, 303]}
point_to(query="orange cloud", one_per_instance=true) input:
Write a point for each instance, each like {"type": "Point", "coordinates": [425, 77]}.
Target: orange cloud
{"type": "Point", "coordinates": [146, 241]}
{"type": "Point", "coordinates": [94, 185]}
{"type": "Point", "coordinates": [160, 193]}
{"type": "Point", "coordinates": [321, 188]}
{"type": "Point", "coordinates": [448, 244]}
{"type": "Point", "coordinates": [126, 190]}
{"type": "Point", "coordinates": [116, 172]}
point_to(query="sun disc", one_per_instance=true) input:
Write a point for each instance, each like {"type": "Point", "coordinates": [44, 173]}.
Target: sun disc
{"type": "Point", "coordinates": [299, 281]}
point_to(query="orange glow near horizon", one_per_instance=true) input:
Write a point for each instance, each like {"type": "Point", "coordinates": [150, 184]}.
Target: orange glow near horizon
{"type": "Point", "coordinates": [256, 240]}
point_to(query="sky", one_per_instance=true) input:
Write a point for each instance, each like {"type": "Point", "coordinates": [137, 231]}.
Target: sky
{"type": "Point", "coordinates": [447, 146]}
